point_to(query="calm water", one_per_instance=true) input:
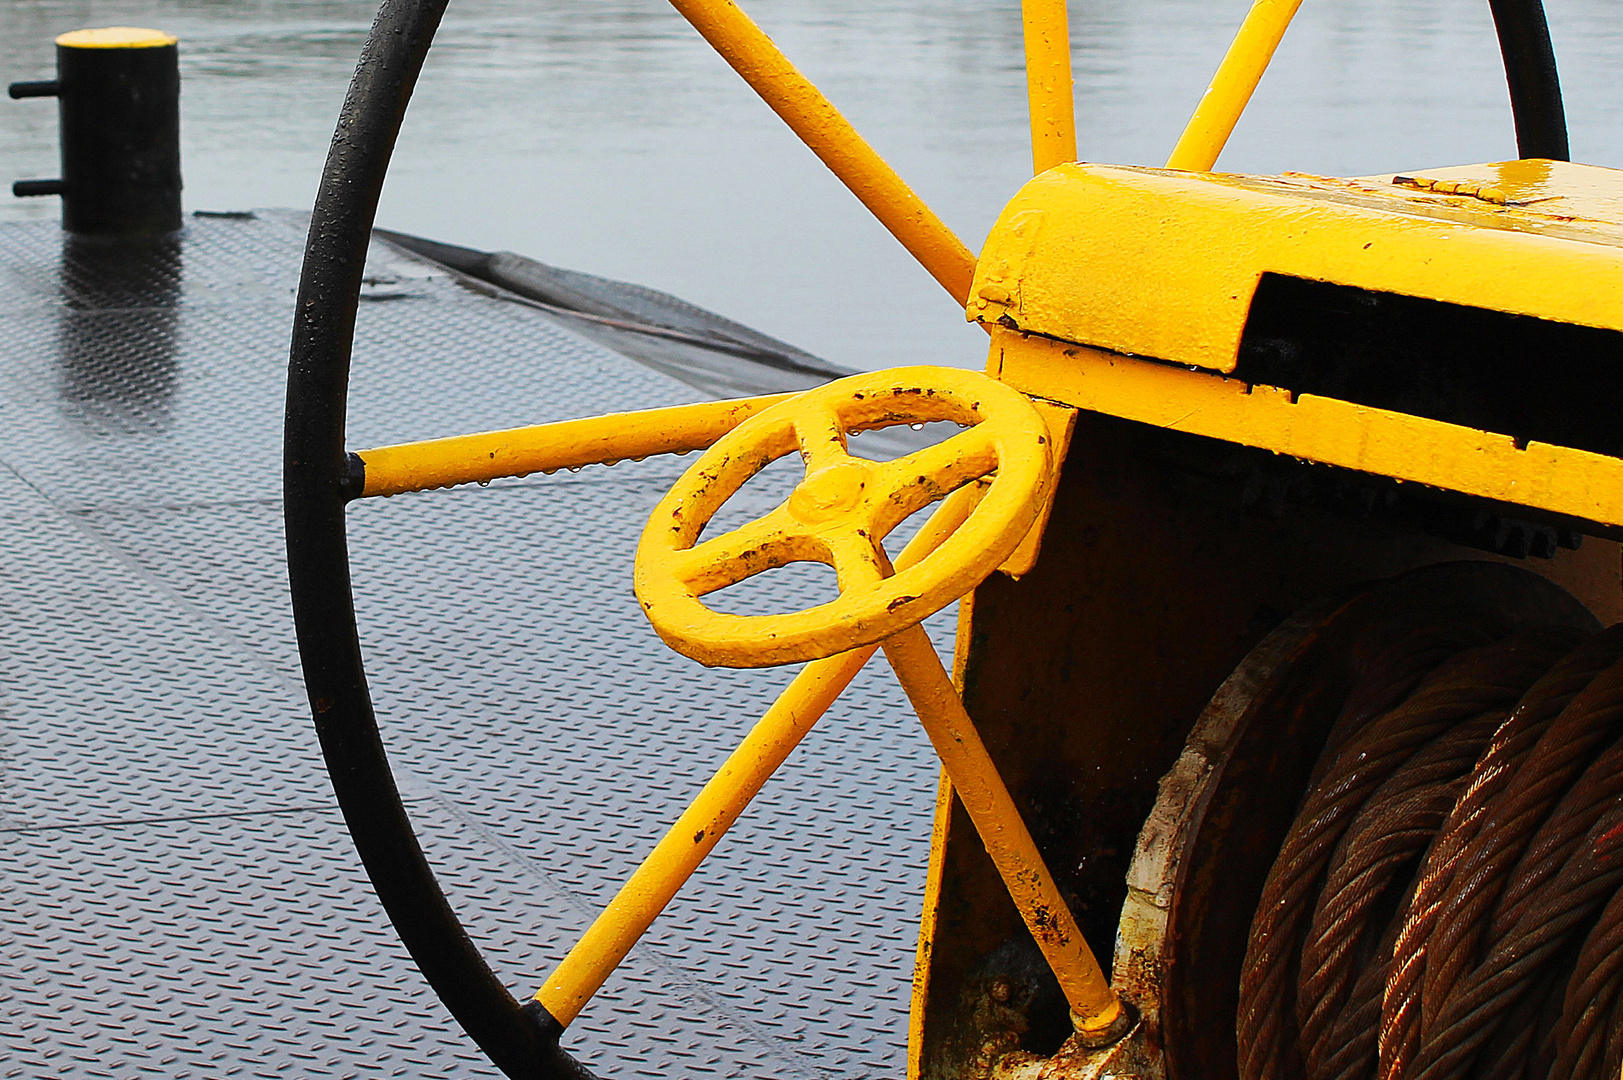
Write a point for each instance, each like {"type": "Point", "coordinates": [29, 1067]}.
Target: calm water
{"type": "Point", "coordinates": [603, 135]}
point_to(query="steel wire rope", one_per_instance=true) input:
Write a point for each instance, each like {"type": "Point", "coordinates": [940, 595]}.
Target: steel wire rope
{"type": "Point", "coordinates": [1399, 1031]}
{"type": "Point", "coordinates": [1489, 677]}
{"type": "Point", "coordinates": [1448, 904]}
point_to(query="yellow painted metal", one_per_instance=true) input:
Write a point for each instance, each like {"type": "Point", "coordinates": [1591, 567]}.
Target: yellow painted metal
{"type": "Point", "coordinates": [723, 798]}
{"type": "Point", "coordinates": [1231, 88]}
{"type": "Point", "coordinates": [567, 444]}
{"type": "Point", "coordinates": [923, 956]}
{"type": "Point", "coordinates": [831, 137]}
{"type": "Point", "coordinates": [1060, 421]}
{"type": "Point", "coordinates": [975, 780]}
{"type": "Point", "coordinates": [935, 873]}
{"type": "Point", "coordinates": [1163, 264]}
{"type": "Point", "coordinates": [1410, 448]}
{"type": "Point", "coordinates": [1556, 198]}
{"type": "Point", "coordinates": [115, 37]}
{"type": "Point", "coordinates": [1049, 83]}
{"type": "Point", "coordinates": [841, 512]}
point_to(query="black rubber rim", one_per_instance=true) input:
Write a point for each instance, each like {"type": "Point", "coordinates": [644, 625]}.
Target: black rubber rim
{"type": "Point", "coordinates": [1535, 88]}
{"type": "Point", "coordinates": [521, 1039]}
{"type": "Point", "coordinates": [319, 479]}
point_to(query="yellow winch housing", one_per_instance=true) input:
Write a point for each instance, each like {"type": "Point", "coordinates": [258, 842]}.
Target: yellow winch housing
{"type": "Point", "coordinates": [1460, 327]}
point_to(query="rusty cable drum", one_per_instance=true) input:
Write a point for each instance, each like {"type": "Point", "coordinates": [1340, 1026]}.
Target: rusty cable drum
{"type": "Point", "coordinates": [1413, 924]}
{"type": "Point", "coordinates": [1446, 905]}
{"type": "Point", "coordinates": [1393, 846]}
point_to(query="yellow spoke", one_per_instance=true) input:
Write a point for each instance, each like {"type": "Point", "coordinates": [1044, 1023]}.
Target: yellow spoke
{"type": "Point", "coordinates": [974, 777]}
{"type": "Point", "coordinates": [567, 444]}
{"type": "Point", "coordinates": [762, 544]}
{"type": "Point", "coordinates": [1231, 88]}
{"type": "Point", "coordinates": [822, 439]}
{"type": "Point", "coordinates": [721, 801]}
{"type": "Point", "coordinates": [857, 558]}
{"type": "Point", "coordinates": [911, 483]}
{"type": "Point", "coordinates": [830, 136]}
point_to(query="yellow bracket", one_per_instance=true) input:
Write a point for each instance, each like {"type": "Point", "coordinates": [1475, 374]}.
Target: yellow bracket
{"type": "Point", "coordinates": [1060, 421]}
{"type": "Point", "coordinates": [1574, 483]}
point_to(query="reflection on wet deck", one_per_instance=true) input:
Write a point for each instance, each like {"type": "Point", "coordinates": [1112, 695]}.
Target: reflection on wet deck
{"type": "Point", "coordinates": [181, 898]}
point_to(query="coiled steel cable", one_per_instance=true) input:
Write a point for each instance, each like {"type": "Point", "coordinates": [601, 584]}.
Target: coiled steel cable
{"type": "Point", "coordinates": [1448, 904]}
{"type": "Point", "coordinates": [1501, 763]}
{"type": "Point", "coordinates": [1587, 1038]}
{"type": "Point", "coordinates": [1485, 679]}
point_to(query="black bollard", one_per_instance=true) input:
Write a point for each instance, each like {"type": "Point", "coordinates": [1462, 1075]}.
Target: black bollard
{"type": "Point", "coordinates": [118, 93]}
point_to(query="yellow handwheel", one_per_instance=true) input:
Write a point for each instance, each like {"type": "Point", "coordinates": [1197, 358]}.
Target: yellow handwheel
{"type": "Point", "coordinates": [840, 514]}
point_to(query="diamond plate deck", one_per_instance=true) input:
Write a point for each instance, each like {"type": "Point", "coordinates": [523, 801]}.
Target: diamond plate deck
{"type": "Point", "coordinates": [180, 898]}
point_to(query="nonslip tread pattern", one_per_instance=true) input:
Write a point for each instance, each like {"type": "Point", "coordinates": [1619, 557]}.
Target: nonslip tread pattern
{"type": "Point", "coordinates": [180, 897]}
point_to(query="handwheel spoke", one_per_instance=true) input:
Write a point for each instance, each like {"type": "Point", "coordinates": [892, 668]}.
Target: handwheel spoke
{"type": "Point", "coordinates": [857, 558]}
{"type": "Point", "coordinates": [822, 439]}
{"type": "Point", "coordinates": [762, 544]}
{"type": "Point", "coordinates": [910, 483]}
{"type": "Point", "coordinates": [566, 444]}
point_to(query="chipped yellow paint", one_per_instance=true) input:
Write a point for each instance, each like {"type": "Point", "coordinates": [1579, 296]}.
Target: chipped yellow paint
{"type": "Point", "coordinates": [841, 513]}
{"type": "Point", "coordinates": [1556, 198]}
{"type": "Point", "coordinates": [566, 444]}
{"type": "Point", "coordinates": [1410, 448]}
{"type": "Point", "coordinates": [1485, 192]}
{"type": "Point", "coordinates": [1163, 264]}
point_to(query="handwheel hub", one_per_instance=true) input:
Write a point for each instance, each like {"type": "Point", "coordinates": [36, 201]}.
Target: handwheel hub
{"type": "Point", "coordinates": [830, 492]}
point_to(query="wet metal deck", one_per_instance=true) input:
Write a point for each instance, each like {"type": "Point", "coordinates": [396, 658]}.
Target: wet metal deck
{"type": "Point", "coordinates": [178, 897]}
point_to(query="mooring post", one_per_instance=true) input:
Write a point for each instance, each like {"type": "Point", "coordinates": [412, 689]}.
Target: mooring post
{"type": "Point", "coordinates": [118, 95]}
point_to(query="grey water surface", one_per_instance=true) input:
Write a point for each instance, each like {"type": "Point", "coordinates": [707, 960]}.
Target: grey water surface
{"type": "Point", "coordinates": [603, 135]}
